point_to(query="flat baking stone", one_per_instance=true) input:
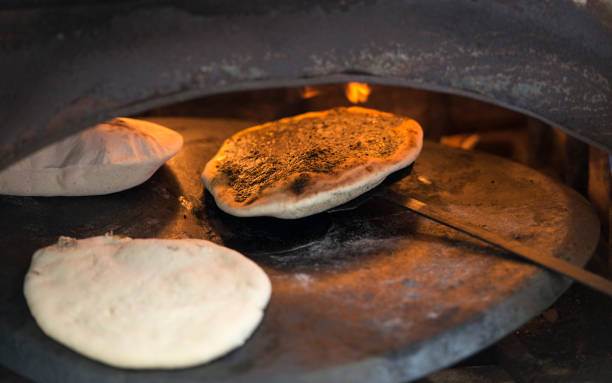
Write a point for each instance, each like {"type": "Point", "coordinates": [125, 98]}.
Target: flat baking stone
{"type": "Point", "coordinates": [376, 294]}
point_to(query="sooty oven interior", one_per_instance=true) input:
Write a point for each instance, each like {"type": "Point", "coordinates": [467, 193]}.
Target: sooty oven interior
{"type": "Point", "coordinates": [528, 81]}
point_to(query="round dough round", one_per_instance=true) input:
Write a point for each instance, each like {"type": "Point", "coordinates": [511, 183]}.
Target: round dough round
{"type": "Point", "coordinates": [306, 164]}
{"type": "Point", "coordinates": [107, 158]}
{"type": "Point", "coordinates": [146, 303]}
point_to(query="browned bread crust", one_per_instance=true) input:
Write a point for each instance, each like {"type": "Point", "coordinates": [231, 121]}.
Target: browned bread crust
{"type": "Point", "coordinates": [305, 164]}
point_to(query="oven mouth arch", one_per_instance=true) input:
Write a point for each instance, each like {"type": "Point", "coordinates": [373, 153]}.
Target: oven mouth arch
{"type": "Point", "coordinates": [547, 62]}
{"type": "Point", "coordinates": [140, 106]}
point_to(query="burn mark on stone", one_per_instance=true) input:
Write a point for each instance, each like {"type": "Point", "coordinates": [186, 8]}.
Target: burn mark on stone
{"type": "Point", "coordinates": [299, 184]}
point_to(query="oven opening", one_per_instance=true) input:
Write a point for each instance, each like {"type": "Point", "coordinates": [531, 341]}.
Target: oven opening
{"type": "Point", "coordinates": [375, 281]}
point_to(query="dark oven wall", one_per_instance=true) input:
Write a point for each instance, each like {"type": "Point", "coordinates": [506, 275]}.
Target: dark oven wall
{"type": "Point", "coordinates": [69, 64]}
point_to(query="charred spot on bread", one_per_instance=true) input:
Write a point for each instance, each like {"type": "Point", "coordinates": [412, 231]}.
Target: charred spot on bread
{"type": "Point", "coordinates": [298, 185]}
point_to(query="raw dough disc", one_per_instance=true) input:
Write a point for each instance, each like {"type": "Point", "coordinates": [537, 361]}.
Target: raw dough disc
{"type": "Point", "coordinates": [107, 158]}
{"type": "Point", "coordinates": [306, 164]}
{"type": "Point", "coordinates": [146, 303]}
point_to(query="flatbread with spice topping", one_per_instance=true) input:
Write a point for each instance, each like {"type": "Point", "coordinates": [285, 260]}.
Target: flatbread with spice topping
{"type": "Point", "coordinates": [306, 164]}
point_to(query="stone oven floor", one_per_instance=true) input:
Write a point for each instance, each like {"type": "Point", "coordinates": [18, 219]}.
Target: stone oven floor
{"type": "Point", "coordinates": [569, 342]}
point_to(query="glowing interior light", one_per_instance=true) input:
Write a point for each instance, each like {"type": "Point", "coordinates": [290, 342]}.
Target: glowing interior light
{"type": "Point", "coordinates": [357, 92]}
{"type": "Point", "coordinates": [309, 92]}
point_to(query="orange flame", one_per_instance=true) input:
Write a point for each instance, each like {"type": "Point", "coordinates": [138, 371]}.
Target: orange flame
{"type": "Point", "coordinates": [309, 92]}
{"type": "Point", "coordinates": [357, 92]}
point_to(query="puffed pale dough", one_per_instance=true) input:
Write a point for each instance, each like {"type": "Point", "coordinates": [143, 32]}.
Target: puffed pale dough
{"type": "Point", "coordinates": [146, 303]}
{"type": "Point", "coordinates": [106, 158]}
{"type": "Point", "coordinates": [348, 179]}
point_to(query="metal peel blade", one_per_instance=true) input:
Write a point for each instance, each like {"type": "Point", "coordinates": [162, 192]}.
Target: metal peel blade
{"type": "Point", "coordinates": [548, 261]}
